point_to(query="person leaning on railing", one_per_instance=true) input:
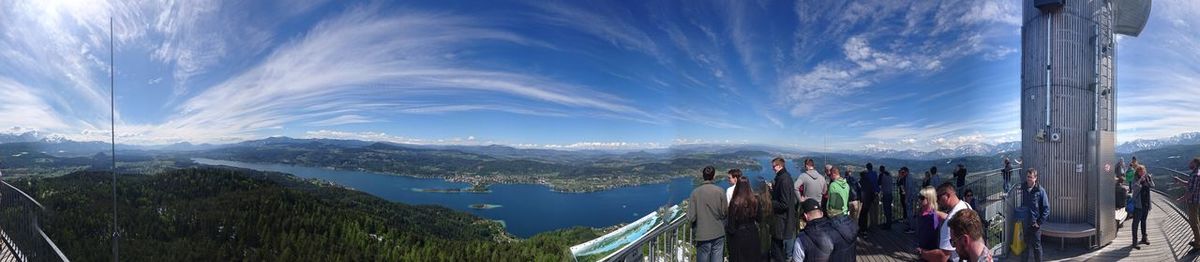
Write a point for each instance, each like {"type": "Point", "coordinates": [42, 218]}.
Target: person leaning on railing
{"type": "Point", "coordinates": [1192, 198]}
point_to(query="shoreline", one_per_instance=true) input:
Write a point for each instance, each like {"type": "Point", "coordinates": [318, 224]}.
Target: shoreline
{"type": "Point", "coordinates": [478, 181]}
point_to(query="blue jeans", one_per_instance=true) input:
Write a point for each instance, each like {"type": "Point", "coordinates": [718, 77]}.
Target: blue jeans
{"type": "Point", "coordinates": [710, 250]}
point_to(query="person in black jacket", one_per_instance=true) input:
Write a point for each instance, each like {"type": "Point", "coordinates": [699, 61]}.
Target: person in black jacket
{"type": "Point", "coordinates": [742, 224]}
{"type": "Point", "coordinates": [960, 176]}
{"type": "Point", "coordinates": [783, 205]}
{"type": "Point", "coordinates": [825, 238]}
{"type": "Point", "coordinates": [1141, 203]}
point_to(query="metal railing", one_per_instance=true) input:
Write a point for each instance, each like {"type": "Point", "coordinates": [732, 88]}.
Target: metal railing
{"type": "Point", "coordinates": [19, 229]}
{"type": "Point", "coordinates": [666, 243]}
{"type": "Point", "coordinates": [989, 188]}
{"type": "Point", "coordinates": [1169, 187]}
{"type": "Point", "coordinates": [991, 183]}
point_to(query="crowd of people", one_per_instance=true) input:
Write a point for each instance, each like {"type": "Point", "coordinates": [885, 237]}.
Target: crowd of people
{"type": "Point", "coordinates": [819, 216]}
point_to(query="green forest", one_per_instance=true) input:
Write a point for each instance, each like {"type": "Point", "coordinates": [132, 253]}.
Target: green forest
{"type": "Point", "coordinates": [225, 214]}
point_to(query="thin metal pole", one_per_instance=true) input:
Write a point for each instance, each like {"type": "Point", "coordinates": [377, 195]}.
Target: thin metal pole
{"type": "Point", "coordinates": [1049, 21]}
{"type": "Point", "coordinates": [113, 122]}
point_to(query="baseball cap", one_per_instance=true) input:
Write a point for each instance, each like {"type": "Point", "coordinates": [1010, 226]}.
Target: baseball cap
{"type": "Point", "coordinates": [809, 205]}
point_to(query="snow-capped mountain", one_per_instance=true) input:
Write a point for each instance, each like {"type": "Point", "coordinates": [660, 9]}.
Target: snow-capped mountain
{"type": "Point", "coordinates": [1191, 138]}
{"type": "Point", "coordinates": [961, 151]}
{"type": "Point", "coordinates": [19, 136]}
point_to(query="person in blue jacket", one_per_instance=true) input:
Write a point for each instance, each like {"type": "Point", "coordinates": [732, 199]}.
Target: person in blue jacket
{"type": "Point", "coordinates": [1036, 203]}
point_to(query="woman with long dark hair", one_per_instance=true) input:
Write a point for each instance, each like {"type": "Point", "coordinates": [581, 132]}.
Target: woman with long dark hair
{"type": "Point", "coordinates": [742, 223]}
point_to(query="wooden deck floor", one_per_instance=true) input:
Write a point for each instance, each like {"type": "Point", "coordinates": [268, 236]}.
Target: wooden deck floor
{"type": "Point", "coordinates": [1169, 234]}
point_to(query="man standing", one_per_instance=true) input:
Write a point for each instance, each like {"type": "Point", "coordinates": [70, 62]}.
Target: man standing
{"type": "Point", "coordinates": [825, 238]}
{"type": "Point", "coordinates": [1007, 172]}
{"type": "Point", "coordinates": [967, 237]}
{"type": "Point", "coordinates": [910, 199]}
{"type": "Point", "coordinates": [706, 212]}
{"type": "Point", "coordinates": [947, 197]}
{"type": "Point", "coordinates": [934, 180]}
{"type": "Point", "coordinates": [870, 189]}
{"type": "Point", "coordinates": [1192, 198]}
{"type": "Point", "coordinates": [1037, 205]}
{"type": "Point", "coordinates": [839, 194]}
{"type": "Point", "coordinates": [810, 184]}
{"type": "Point", "coordinates": [783, 205]}
{"type": "Point", "coordinates": [886, 186]}
{"type": "Point", "coordinates": [855, 201]}
{"type": "Point", "coordinates": [1129, 173]}
{"type": "Point", "coordinates": [960, 176]}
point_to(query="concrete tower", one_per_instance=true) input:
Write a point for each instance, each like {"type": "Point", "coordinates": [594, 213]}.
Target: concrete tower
{"type": "Point", "coordinates": [1068, 106]}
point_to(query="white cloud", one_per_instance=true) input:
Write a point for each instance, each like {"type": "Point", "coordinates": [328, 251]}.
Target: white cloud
{"type": "Point", "coordinates": [614, 27]}
{"type": "Point", "coordinates": [362, 63]}
{"type": "Point", "coordinates": [22, 107]}
{"type": "Point", "coordinates": [594, 146]}
{"type": "Point", "coordinates": [1157, 74]}
{"type": "Point", "coordinates": [365, 136]}
{"type": "Point", "coordinates": [342, 120]}
{"type": "Point", "coordinates": [875, 48]}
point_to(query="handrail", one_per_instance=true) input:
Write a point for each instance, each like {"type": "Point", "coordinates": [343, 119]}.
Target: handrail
{"type": "Point", "coordinates": [651, 239]}
{"type": "Point", "coordinates": [1174, 172]}
{"type": "Point", "coordinates": [26, 240]}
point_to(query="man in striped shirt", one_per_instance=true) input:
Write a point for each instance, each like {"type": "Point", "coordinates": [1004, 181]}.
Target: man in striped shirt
{"type": "Point", "coordinates": [1192, 198]}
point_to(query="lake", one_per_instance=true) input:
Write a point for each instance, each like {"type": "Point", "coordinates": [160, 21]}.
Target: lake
{"type": "Point", "coordinates": [525, 209]}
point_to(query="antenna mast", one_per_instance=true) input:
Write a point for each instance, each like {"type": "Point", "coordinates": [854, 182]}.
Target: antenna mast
{"type": "Point", "coordinates": [113, 132]}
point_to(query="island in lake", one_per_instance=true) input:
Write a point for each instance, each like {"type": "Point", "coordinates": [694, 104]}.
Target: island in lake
{"type": "Point", "coordinates": [484, 206]}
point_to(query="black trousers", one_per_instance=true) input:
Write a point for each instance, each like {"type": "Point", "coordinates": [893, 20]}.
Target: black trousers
{"type": "Point", "coordinates": [1139, 218]}
{"type": "Point", "coordinates": [864, 216]}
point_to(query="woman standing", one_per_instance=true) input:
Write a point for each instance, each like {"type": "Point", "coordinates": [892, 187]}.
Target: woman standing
{"type": "Point", "coordinates": [929, 220]}
{"type": "Point", "coordinates": [1141, 204]}
{"type": "Point", "coordinates": [742, 225]}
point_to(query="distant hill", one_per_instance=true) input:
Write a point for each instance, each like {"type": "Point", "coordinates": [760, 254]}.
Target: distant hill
{"type": "Point", "coordinates": [561, 170]}
{"type": "Point", "coordinates": [220, 214]}
{"type": "Point", "coordinates": [1174, 157]}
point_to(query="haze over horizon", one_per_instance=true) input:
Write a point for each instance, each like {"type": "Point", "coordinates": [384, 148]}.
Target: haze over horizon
{"type": "Point", "coordinates": [830, 75]}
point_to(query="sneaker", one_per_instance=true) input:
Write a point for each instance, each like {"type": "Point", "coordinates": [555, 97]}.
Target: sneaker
{"type": "Point", "coordinates": [910, 231]}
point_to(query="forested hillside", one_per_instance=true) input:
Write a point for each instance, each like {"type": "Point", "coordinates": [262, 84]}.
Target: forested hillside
{"type": "Point", "coordinates": [217, 214]}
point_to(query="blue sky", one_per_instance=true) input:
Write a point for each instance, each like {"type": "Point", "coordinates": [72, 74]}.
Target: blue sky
{"type": "Point", "coordinates": [813, 75]}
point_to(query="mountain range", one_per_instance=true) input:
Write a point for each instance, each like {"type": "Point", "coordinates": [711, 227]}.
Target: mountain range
{"type": "Point", "coordinates": [61, 146]}
{"type": "Point", "coordinates": [1190, 138]}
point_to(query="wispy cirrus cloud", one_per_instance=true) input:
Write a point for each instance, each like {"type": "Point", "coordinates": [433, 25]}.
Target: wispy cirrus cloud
{"type": "Point", "coordinates": [362, 63]}
{"type": "Point", "coordinates": [1157, 74]}
{"type": "Point", "coordinates": [24, 108]}
{"type": "Point", "coordinates": [875, 48]}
